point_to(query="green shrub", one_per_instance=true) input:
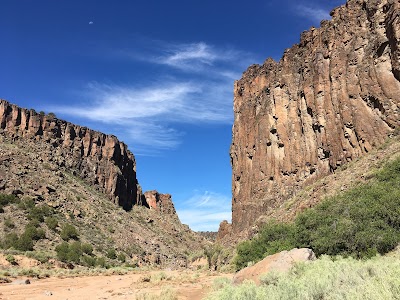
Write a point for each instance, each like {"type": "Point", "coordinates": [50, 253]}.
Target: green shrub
{"type": "Point", "coordinates": [8, 223]}
{"type": "Point", "coordinates": [39, 212]}
{"type": "Point", "coordinates": [68, 232]}
{"type": "Point", "coordinates": [75, 252]}
{"type": "Point", "coordinates": [273, 238]}
{"type": "Point", "coordinates": [24, 243]}
{"type": "Point", "coordinates": [101, 262]}
{"type": "Point", "coordinates": [51, 115]}
{"type": "Point", "coordinates": [11, 259]}
{"type": "Point", "coordinates": [378, 278]}
{"type": "Point", "coordinates": [360, 223]}
{"type": "Point", "coordinates": [10, 241]}
{"type": "Point", "coordinates": [121, 257]}
{"type": "Point", "coordinates": [88, 261]}
{"type": "Point", "coordinates": [87, 249]}
{"type": "Point", "coordinates": [38, 255]}
{"type": "Point", "coordinates": [111, 254]}
{"type": "Point", "coordinates": [62, 251]}
{"type": "Point", "coordinates": [51, 223]}
{"type": "Point", "coordinates": [6, 200]}
{"type": "Point", "coordinates": [26, 204]}
{"type": "Point", "coordinates": [69, 252]}
{"type": "Point", "coordinates": [34, 233]}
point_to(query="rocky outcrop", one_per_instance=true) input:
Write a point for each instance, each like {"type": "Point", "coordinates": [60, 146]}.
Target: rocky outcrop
{"type": "Point", "coordinates": [100, 160]}
{"type": "Point", "coordinates": [279, 262]}
{"type": "Point", "coordinates": [330, 99]}
{"type": "Point", "coordinates": [160, 202]}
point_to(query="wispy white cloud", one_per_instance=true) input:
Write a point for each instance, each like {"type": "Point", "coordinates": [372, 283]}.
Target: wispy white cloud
{"type": "Point", "coordinates": [151, 113]}
{"type": "Point", "coordinates": [183, 56]}
{"type": "Point", "coordinates": [205, 211]}
{"type": "Point", "coordinates": [197, 57]}
{"type": "Point", "coordinates": [314, 13]}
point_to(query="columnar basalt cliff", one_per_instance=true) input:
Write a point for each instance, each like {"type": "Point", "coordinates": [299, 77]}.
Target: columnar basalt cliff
{"type": "Point", "coordinates": [330, 99]}
{"type": "Point", "coordinates": [99, 159]}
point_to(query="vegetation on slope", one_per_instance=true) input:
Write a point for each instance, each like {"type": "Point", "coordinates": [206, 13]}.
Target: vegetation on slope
{"type": "Point", "coordinates": [360, 223]}
{"type": "Point", "coordinates": [325, 278]}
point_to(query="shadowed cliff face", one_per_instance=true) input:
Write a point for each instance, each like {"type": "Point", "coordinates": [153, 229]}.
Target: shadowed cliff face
{"type": "Point", "coordinates": [99, 159]}
{"type": "Point", "coordinates": [330, 99]}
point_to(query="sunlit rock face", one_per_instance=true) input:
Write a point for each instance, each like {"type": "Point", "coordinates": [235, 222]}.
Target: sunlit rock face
{"type": "Point", "coordinates": [99, 159]}
{"type": "Point", "coordinates": [330, 99]}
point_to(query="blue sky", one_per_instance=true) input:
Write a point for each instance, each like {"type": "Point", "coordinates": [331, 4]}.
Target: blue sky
{"type": "Point", "coordinates": [157, 74]}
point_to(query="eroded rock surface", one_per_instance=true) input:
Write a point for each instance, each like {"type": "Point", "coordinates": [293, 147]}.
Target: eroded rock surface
{"type": "Point", "coordinates": [99, 159]}
{"type": "Point", "coordinates": [330, 99]}
{"type": "Point", "coordinates": [160, 202]}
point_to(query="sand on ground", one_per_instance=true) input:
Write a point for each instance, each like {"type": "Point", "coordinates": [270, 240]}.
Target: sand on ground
{"type": "Point", "coordinates": [186, 284]}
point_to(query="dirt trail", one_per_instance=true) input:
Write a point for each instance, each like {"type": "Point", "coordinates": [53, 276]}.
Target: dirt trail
{"type": "Point", "coordinates": [188, 285]}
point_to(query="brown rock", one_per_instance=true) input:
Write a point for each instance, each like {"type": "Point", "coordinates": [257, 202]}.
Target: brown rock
{"type": "Point", "coordinates": [97, 158]}
{"type": "Point", "coordinates": [330, 99]}
{"type": "Point", "coordinates": [161, 202]}
{"type": "Point", "coordinates": [279, 262]}
{"type": "Point", "coordinates": [224, 230]}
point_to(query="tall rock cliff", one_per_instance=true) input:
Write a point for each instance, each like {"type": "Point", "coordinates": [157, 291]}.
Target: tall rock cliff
{"type": "Point", "coordinates": [99, 159]}
{"type": "Point", "coordinates": [330, 99]}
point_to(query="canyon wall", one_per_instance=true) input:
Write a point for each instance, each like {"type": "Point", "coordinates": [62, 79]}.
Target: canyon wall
{"type": "Point", "coordinates": [330, 99]}
{"type": "Point", "coordinates": [99, 159]}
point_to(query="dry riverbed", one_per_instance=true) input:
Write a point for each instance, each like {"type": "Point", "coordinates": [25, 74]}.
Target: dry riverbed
{"type": "Point", "coordinates": [140, 285]}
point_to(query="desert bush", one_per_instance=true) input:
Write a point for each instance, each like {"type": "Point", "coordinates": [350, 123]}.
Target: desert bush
{"type": "Point", "coordinates": [24, 243]}
{"type": "Point", "coordinates": [75, 252]}
{"type": "Point", "coordinates": [273, 238]}
{"type": "Point", "coordinates": [26, 204]}
{"type": "Point", "coordinates": [51, 223]}
{"type": "Point", "coordinates": [212, 253]}
{"type": "Point", "coordinates": [8, 223]}
{"type": "Point", "coordinates": [62, 251]}
{"type": "Point", "coordinates": [51, 115]}
{"type": "Point", "coordinates": [101, 262]}
{"type": "Point", "coordinates": [39, 255]}
{"type": "Point", "coordinates": [11, 259]}
{"type": "Point", "coordinates": [10, 241]}
{"type": "Point", "coordinates": [6, 199]}
{"type": "Point", "coordinates": [111, 254]}
{"type": "Point", "coordinates": [39, 212]}
{"type": "Point", "coordinates": [68, 232]}
{"type": "Point", "coordinates": [360, 223]}
{"type": "Point", "coordinates": [121, 257]}
{"type": "Point", "coordinates": [326, 278]}
{"type": "Point", "coordinates": [87, 249]}
{"type": "Point", "coordinates": [167, 293]}
{"type": "Point", "coordinates": [88, 261]}
{"type": "Point", "coordinates": [34, 233]}
{"type": "Point", "coordinates": [69, 252]}
{"type": "Point", "coordinates": [156, 278]}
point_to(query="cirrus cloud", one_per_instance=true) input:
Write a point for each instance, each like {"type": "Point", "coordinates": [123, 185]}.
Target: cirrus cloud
{"type": "Point", "coordinates": [151, 115]}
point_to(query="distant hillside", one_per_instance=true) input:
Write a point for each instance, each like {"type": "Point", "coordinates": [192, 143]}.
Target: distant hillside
{"type": "Point", "coordinates": [63, 176]}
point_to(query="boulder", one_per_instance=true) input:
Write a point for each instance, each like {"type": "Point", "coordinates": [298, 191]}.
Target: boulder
{"type": "Point", "coordinates": [279, 262]}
